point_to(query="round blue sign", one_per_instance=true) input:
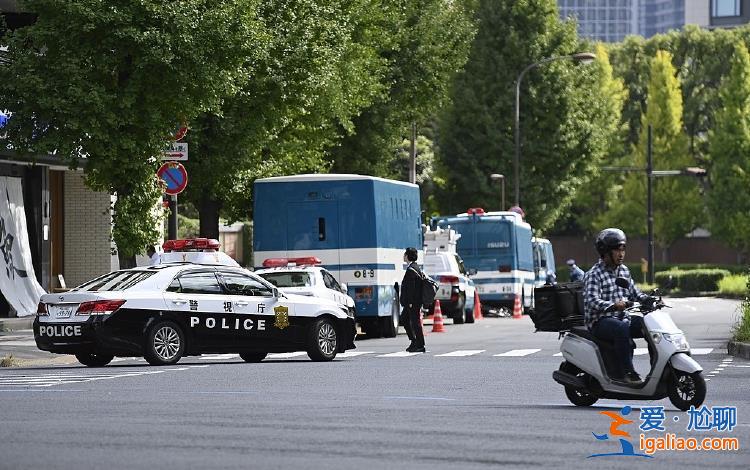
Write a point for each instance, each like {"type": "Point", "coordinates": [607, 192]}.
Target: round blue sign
{"type": "Point", "coordinates": [174, 176]}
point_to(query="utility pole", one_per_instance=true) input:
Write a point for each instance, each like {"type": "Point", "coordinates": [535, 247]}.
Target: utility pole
{"type": "Point", "coordinates": [650, 205]}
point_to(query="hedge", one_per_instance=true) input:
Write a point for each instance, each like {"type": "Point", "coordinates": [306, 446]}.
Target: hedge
{"type": "Point", "coordinates": [695, 280]}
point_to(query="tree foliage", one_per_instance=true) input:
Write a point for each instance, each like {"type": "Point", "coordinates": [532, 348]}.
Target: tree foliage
{"type": "Point", "coordinates": [676, 204]}
{"type": "Point", "coordinates": [108, 81]}
{"type": "Point", "coordinates": [729, 198]}
{"type": "Point", "coordinates": [427, 44]}
{"type": "Point", "coordinates": [565, 120]}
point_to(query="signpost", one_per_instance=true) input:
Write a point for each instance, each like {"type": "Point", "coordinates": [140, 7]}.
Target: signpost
{"type": "Point", "coordinates": [175, 180]}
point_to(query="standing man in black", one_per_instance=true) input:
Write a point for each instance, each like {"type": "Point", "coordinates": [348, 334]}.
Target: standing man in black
{"type": "Point", "coordinates": [411, 301]}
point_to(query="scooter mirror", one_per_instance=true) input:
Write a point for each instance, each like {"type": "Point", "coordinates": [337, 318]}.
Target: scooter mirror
{"type": "Point", "coordinates": [623, 282]}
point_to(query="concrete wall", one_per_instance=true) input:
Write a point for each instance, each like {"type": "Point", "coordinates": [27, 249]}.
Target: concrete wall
{"type": "Point", "coordinates": [87, 231]}
{"type": "Point", "coordinates": [697, 12]}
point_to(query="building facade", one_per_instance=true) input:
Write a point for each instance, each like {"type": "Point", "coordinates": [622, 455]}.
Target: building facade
{"type": "Point", "coordinates": [613, 20]}
{"type": "Point", "coordinates": [729, 13]}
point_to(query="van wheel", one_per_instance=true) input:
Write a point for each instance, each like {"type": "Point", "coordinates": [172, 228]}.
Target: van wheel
{"type": "Point", "coordinates": [458, 314]}
{"type": "Point", "coordinates": [322, 340]}
{"type": "Point", "coordinates": [389, 325]}
{"type": "Point", "coordinates": [469, 315]}
{"type": "Point", "coordinates": [94, 360]}
{"type": "Point", "coordinates": [165, 344]}
{"type": "Point", "coordinates": [253, 356]}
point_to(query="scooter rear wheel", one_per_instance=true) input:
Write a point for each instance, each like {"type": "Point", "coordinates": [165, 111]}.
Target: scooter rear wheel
{"type": "Point", "coordinates": [577, 396]}
{"type": "Point", "coordinates": [685, 389]}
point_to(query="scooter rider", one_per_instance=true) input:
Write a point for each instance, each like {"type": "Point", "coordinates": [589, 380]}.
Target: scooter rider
{"type": "Point", "coordinates": [605, 303]}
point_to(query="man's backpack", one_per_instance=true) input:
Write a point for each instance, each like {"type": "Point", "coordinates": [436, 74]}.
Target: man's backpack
{"type": "Point", "coordinates": [429, 290]}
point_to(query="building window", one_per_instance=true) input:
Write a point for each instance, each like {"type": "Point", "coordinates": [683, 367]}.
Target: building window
{"type": "Point", "coordinates": [722, 8]}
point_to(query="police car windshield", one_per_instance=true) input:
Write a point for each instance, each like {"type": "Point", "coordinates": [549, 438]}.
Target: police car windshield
{"type": "Point", "coordinates": [282, 279]}
{"type": "Point", "coordinates": [115, 281]}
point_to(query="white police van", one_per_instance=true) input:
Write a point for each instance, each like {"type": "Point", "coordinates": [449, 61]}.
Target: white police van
{"type": "Point", "coordinates": [182, 307]}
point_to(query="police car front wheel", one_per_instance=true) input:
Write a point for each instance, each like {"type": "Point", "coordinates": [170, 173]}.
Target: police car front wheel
{"type": "Point", "coordinates": [94, 360]}
{"type": "Point", "coordinates": [322, 340]}
{"type": "Point", "coordinates": [165, 343]}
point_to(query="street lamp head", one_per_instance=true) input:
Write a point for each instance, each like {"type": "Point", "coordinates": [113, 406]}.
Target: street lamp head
{"type": "Point", "coordinates": [496, 176]}
{"type": "Point", "coordinates": [584, 57]}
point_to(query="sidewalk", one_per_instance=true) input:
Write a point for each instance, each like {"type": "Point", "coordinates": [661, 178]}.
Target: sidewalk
{"type": "Point", "coordinates": [15, 324]}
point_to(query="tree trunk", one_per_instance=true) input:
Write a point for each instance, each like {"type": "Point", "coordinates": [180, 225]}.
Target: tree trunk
{"type": "Point", "coordinates": [209, 217]}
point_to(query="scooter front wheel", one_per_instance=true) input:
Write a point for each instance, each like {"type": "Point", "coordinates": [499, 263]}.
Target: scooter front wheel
{"type": "Point", "coordinates": [685, 389]}
{"type": "Point", "coordinates": [577, 396]}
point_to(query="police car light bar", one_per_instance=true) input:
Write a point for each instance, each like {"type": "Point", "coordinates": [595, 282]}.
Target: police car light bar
{"type": "Point", "coordinates": [282, 262]}
{"type": "Point", "coordinates": [191, 244]}
{"type": "Point", "coordinates": [475, 210]}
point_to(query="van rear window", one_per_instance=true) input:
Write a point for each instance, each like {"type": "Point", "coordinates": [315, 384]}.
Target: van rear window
{"type": "Point", "coordinates": [115, 281]}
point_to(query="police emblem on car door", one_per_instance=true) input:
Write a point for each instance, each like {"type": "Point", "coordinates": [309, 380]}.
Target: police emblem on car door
{"type": "Point", "coordinates": [281, 317]}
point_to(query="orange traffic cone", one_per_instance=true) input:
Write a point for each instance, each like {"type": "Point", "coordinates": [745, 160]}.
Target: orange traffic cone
{"type": "Point", "coordinates": [517, 312]}
{"type": "Point", "coordinates": [477, 306]}
{"type": "Point", "coordinates": [437, 319]}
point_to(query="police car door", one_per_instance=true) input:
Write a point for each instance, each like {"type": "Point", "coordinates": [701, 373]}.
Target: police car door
{"type": "Point", "coordinates": [251, 306]}
{"type": "Point", "coordinates": [200, 296]}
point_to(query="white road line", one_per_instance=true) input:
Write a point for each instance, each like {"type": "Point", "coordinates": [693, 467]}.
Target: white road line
{"type": "Point", "coordinates": [18, 343]}
{"type": "Point", "coordinates": [640, 351]}
{"type": "Point", "coordinates": [354, 354]}
{"type": "Point", "coordinates": [732, 365]}
{"type": "Point", "coordinates": [701, 351]}
{"type": "Point", "coordinates": [286, 355]}
{"type": "Point", "coordinates": [399, 354]}
{"type": "Point", "coordinates": [218, 357]}
{"type": "Point", "coordinates": [518, 353]}
{"type": "Point", "coordinates": [557, 355]}
{"type": "Point", "coordinates": [462, 353]}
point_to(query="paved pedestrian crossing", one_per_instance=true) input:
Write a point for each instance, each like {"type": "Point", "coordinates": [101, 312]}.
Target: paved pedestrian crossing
{"type": "Point", "coordinates": [46, 379]}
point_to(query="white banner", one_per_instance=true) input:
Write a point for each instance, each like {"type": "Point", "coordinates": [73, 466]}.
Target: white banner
{"type": "Point", "coordinates": [17, 279]}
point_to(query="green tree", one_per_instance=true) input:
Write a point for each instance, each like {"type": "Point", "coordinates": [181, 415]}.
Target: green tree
{"type": "Point", "coordinates": [321, 68]}
{"type": "Point", "coordinates": [729, 198]}
{"type": "Point", "coordinates": [107, 82]}
{"type": "Point", "coordinates": [564, 117]}
{"type": "Point", "coordinates": [424, 44]}
{"type": "Point", "coordinates": [677, 205]}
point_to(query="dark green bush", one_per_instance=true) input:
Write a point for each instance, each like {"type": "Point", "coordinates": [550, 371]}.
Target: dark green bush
{"type": "Point", "coordinates": [695, 280]}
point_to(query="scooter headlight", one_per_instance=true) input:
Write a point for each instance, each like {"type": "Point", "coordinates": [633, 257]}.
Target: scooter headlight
{"type": "Point", "coordinates": [678, 340]}
{"type": "Point", "coordinates": [656, 337]}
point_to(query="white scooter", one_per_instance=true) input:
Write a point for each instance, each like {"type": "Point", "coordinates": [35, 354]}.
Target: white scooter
{"type": "Point", "coordinates": [673, 373]}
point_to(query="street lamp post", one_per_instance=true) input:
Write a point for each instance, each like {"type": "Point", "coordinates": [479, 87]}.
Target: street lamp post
{"type": "Point", "coordinates": [495, 177]}
{"type": "Point", "coordinates": [582, 57]}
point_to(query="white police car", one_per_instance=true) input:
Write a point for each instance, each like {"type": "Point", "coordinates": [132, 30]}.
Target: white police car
{"type": "Point", "coordinates": [302, 276]}
{"type": "Point", "coordinates": [182, 308]}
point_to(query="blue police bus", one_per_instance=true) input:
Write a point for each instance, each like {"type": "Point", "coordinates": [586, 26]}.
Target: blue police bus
{"type": "Point", "coordinates": [497, 248]}
{"type": "Point", "coordinates": [358, 226]}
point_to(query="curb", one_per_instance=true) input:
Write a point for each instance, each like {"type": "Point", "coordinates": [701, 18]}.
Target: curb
{"type": "Point", "coordinates": [20, 323]}
{"type": "Point", "coordinates": [735, 348]}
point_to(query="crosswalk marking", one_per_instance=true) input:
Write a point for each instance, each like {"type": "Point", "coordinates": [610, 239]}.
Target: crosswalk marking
{"type": "Point", "coordinates": [462, 353]}
{"type": "Point", "coordinates": [286, 355]}
{"type": "Point", "coordinates": [62, 378]}
{"type": "Point", "coordinates": [354, 353]}
{"type": "Point", "coordinates": [218, 357]}
{"type": "Point", "coordinates": [701, 351]}
{"type": "Point", "coordinates": [399, 354]}
{"type": "Point", "coordinates": [518, 353]}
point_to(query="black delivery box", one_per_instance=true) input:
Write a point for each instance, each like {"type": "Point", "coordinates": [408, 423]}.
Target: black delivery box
{"type": "Point", "coordinates": [558, 307]}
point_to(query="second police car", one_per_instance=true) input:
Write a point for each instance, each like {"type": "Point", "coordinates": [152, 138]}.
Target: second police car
{"type": "Point", "coordinates": [197, 301]}
{"type": "Point", "coordinates": [304, 276]}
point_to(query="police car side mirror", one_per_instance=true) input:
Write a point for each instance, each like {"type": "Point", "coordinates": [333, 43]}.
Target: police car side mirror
{"type": "Point", "coordinates": [472, 271]}
{"type": "Point", "coordinates": [344, 288]}
{"type": "Point", "coordinates": [275, 292]}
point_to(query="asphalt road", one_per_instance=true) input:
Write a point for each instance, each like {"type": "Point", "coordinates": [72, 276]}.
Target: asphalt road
{"type": "Point", "coordinates": [482, 397]}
